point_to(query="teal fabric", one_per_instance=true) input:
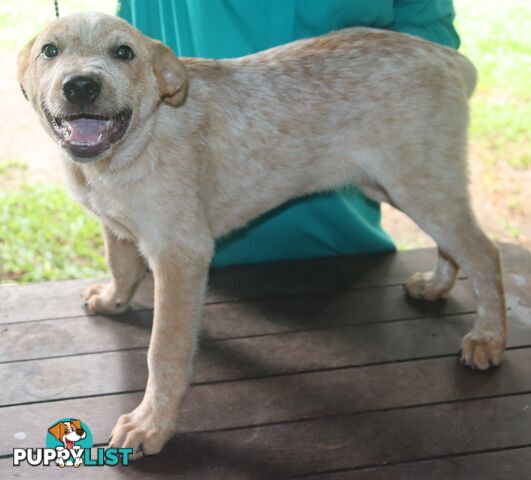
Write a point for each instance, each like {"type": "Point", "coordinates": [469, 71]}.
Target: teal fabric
{"type": "Point", "coordinates": [343, 222]}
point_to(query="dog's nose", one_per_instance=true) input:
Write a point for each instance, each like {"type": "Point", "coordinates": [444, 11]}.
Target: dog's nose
{"type": "Point", "coordinates": [81, 90]}
{"type": "Point", "coordinates": [80, 431]}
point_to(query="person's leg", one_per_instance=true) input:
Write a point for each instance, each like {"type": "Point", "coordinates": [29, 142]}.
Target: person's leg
{"type": "Point", "coordinates": [340, 223]}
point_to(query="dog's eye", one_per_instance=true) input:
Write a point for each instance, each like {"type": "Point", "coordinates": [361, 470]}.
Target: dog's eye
{"type": "Point", "coordinates": [50, 50]}
{"type": "Point", "coordinates": [123, 52]}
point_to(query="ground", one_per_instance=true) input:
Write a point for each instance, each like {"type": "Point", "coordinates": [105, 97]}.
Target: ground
{"type": "Point", "coordinates": [495, 36]}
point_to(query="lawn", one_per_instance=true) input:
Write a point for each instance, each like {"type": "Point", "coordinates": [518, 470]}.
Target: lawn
{"type": "Point", "coordinates": [44, 235]}
{"type": "Point", "coordinates": [497, 37]}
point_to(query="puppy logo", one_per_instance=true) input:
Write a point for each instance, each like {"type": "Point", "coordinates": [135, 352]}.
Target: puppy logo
{"type": "Point", "coordinates": [69, 444]}
{"type": "Point", "coordinates": [69, 437]}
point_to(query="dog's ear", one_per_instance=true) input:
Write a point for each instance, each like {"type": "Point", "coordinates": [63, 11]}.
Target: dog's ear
{"type": "Point", "coordinates": [57, 430]}
{"type": "Point", "coordinates": [171, 75]}
{"type": "Point", "coordinates": [76, 423]}
{"type": "Point", "coordinates": [23, 60]}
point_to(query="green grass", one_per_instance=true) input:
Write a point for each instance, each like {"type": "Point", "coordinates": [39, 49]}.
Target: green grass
{"type": "Point", "coordinates": [496, 36]}
{"type": "Point", "coordinates": [11, 166]}
{"type": "Point", "coordinates": [44, 235]}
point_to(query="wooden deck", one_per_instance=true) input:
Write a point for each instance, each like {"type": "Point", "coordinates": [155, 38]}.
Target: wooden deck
{"type": "Point", "coordinates": [317, 369]}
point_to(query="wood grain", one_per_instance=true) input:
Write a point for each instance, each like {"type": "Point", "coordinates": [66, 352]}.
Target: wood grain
{"type": "Point", "coordinates": [317, 369]}
{"type": "Point", "coordinates": [303, 448]}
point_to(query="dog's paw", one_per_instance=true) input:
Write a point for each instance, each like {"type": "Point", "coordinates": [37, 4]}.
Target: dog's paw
{"type": "Point", "coordinates": [482, 350]}
{"type": "Point", "coordinates": [101, 298]}
{"type": "Point", "coordinates": [426, 286]}
{"type": "Point", "coordinates": [143, 431]}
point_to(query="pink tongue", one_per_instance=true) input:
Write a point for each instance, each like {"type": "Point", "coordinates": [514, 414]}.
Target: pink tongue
{"type": "Point", "coordinates": [86, 130]}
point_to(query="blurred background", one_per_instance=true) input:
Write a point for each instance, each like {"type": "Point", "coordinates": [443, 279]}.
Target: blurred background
{"type": "Point", "coordinates": [44, 235]}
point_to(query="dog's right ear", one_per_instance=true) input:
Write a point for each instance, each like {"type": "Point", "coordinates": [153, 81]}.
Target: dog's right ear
{"type": "Point", "coordinates": [23, 63]}
{"type": "Point", "coordinates": [171, 74]}
{"type": "Point", "coordinates": [76, 423]}
{"type": "Point", "coordinates": [57, 430]}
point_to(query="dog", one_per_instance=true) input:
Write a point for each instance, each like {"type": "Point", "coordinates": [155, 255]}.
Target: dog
{"type": "Point", "coordinates": [68, 433]}
{"type": "Point", "coordinates": [172, 153]}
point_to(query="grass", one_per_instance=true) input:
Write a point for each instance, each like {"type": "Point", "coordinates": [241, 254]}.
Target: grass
{"type": "Point", "coordinates": [44, 235]}
{"type": "Point", "coordinates": [496, 36]}
{"type": "Point", "coordinates": [11, 166]}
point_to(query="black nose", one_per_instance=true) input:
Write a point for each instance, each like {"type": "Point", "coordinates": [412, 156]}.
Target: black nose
{"type": "Point", "coordinates": [81, 90]}
{"type": "Point", "coordinates": [80, 431]}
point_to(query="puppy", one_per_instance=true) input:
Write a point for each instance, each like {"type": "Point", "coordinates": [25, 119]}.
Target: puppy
{"type": "Point", "coordinates": [68, 433]}
{"type": "Point", "coordinates": [173, 153]}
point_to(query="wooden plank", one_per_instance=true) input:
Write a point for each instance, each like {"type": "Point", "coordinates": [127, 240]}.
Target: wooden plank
{"type": "Point", "coordinates": [39, 301]}
{"type": "Point", "coordinates": [331, 274]}
{"type": "Point", "coordinates": [223, 360]}
{"type": "Point", "coordinates": [342, 442]}
{"type": "Point", "coordinates": [257, 451]}
{"type": "Point", "coordinates": [498, 465]}
{"type": "Point", "coordinates": [89, 334]}
{"type": "Point", "coordinates": [513, 464]}
{"type": "Point", "coordinates": [290, 397]}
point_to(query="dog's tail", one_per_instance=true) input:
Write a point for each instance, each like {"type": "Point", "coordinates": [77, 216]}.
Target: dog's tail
{"type": "Point", "coordinates": [469, 74]}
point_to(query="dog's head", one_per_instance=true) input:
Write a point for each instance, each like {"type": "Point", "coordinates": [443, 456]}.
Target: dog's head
{"type": "Point", "coordinates": [68, 433]}
{"type": "Point", "coordinates": [94, 79]}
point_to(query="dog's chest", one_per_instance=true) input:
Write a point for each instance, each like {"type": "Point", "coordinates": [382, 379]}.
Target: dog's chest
{"type": "Point", "coordinates": [117, 210]}
{"type": "Point", "coordinates": [119, 207]}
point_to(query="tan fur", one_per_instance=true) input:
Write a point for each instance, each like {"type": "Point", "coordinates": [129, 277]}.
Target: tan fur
{"type": "Point", "coordinates": [384, 111]}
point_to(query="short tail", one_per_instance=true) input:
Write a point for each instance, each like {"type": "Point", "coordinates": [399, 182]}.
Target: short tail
{"type": "Point", "coordinates": [469, 74]}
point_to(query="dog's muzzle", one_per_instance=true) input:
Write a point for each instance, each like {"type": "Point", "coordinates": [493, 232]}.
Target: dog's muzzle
{"type": "Point", "coordinates": [85, 135]}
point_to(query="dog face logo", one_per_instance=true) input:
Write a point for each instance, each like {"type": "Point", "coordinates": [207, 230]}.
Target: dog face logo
{"type": "Point", "coordinates": [68, 433]}
{"type": "Point", "coordinates": [69, 437]}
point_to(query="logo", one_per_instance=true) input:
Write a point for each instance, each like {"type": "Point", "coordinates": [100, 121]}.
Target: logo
{"type": "Point", "coordinates": [69, 444]}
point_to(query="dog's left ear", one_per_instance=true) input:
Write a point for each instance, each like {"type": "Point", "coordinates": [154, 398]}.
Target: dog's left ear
{"type": "Point", "coordinates": [23, 60]}
{"type": "Point", "coordinates": [171, 75]}
{"type": "Point", "coordinates": [57, 430]}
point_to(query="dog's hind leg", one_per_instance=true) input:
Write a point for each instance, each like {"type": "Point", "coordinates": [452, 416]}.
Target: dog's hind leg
{"type": "Point", "coordinates": [451, 223]}
{"type": "Point", "coordinates": [434, 285]}
{"type": "Point", "coordinates": [428, 285]}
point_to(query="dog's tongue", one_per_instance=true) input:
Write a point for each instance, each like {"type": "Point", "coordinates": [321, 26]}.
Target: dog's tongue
{"type": "Point", "coordinates": [86, 130]}
{"type": "Point", "coordinates": [69, 444]}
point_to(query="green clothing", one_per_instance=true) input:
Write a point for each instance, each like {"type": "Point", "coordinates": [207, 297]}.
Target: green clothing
{"type": "Point", "coordinates": [343, 222]}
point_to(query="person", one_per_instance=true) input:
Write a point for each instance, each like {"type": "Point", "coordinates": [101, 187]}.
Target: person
{"type": "Point", "coordinates": [342, 222]}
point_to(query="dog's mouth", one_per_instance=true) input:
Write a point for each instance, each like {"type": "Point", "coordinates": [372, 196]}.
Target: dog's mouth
{"type": "Point", "coordinates": [87, 135]}
{"type": "Point", "coordinates": [69, 444]}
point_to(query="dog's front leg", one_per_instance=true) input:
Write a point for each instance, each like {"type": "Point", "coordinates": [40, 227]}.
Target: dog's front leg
{"type": "Point", "coordinates": [127, 268]}
{"type": "Point", "coordinates": [180, 281]}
